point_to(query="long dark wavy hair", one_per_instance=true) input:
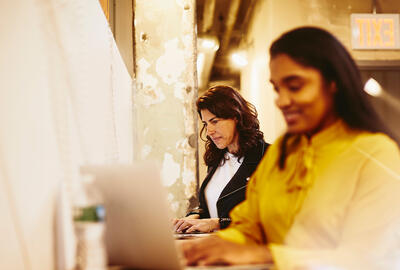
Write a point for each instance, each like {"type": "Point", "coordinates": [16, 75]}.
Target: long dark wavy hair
{"type": "Point", "coordinates": [316, 48]}
{"type": "Point", "coordinates": [226, 103]}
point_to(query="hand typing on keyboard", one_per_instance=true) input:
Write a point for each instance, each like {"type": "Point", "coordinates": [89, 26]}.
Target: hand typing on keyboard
{"type": "Point", "coordinates": [204, 225]}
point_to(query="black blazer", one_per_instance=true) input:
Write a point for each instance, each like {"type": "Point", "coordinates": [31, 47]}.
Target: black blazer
{"type": "Point", "coordinates": [235, 191]}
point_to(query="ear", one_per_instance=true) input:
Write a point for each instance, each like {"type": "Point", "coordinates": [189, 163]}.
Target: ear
{"type": "Point", "coordinates": [332, 88]}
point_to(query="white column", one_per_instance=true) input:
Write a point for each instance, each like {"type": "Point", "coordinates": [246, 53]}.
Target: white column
{"type": "Point", "coordinates": [165, 91]}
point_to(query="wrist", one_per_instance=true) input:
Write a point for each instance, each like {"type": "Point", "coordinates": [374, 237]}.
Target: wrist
{"type": "Point", "coordinates": [263, 255]}
{"type": "Point", "coordinates": [224, 222]}
{"type": "Point", "coordinates": [215, 225]}
{"type": "Point", "coordinates": [193, 216]}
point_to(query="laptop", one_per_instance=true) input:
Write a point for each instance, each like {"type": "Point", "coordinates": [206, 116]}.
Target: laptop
{"type": "Point", "coordinates": [139, 233]}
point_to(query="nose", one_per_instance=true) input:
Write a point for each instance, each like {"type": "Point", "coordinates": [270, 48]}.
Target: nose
{"type": "Point", "coordinates": [210, 130]}
{"type": "Point", "coordinates": [283, 100]}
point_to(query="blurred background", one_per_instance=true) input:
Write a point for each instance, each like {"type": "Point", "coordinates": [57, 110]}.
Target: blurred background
{"type": "Point", "coordinates": [233, 37]}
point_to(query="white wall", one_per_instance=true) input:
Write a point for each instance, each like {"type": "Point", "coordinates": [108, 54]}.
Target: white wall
{"type": "Point", "coordinates": [65, 101]}
{"type": "Point", "coordinates": [270, 19]}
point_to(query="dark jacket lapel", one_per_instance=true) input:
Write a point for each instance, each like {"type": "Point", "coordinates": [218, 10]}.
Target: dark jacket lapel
{"type": "Point", "coordinates": [240, 179]}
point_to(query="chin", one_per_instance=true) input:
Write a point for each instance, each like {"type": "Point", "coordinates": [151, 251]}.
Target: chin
{"type": "Point", "coordinates": [296, 130]}
{"type": "Point", "coordinates": [220, 146]}
{"type": "Point", "coordinates": [302, 130]}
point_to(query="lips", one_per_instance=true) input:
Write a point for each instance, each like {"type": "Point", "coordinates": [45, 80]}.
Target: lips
{"type": "Point", "coordinates": [216, 139]}
{"type": "Point", "coordinates": [291, 116]}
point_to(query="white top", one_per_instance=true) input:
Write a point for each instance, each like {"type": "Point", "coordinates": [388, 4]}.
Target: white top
{"type": "Point", "coordinates": [223, 174]}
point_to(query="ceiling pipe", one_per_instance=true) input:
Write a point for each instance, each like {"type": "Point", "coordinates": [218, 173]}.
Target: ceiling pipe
{"type": "Point", "coordinates": [247, 17]}
{"type": "Point", "coordinates": [208, 16]}
{"type": "Point", "coordinates": [230, 23]}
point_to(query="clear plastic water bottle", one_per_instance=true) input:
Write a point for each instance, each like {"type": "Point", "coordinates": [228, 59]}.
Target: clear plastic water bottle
{"type": "Point", "coordinates": [89, 215]}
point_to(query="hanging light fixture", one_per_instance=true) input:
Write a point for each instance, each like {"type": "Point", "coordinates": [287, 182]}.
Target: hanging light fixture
{"type": "Point", "coordinates": [239, 59]}
{"type": "Point", "coordinates": [372, 87]}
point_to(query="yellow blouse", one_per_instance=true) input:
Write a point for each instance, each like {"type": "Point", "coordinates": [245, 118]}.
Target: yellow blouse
{"type": "Point", "coordinates": [338, 191]}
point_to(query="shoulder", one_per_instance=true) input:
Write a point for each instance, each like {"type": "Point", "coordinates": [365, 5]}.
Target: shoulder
{"type": "Point", "coordinates": [256, 153]}
{"type": "Point", "coordinates": [379, 152]}
{"type": "Point", "coordinates": [270, 157]}
{"type": "Point", "coordinates": [378, 169]}
{"type": "Point", "coordinates": [374, 143]}
{"type": "Point", "coordinates": [274, 148]}
{"type": "Point", "coordinates": [261, 147]}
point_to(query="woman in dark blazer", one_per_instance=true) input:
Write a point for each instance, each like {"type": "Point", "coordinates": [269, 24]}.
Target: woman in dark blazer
{"type": "Point", "coordinates": [234, 147]}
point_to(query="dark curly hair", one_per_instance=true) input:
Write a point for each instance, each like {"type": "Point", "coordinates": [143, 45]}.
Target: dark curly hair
{"type": "Point", "coordinates": [227, 103]}
{"type": "Point", "coordinates": [319, 49]}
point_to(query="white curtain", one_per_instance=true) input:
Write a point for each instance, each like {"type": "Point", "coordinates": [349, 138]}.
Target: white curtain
{"type": "Point", "coordinates": [65, 101]}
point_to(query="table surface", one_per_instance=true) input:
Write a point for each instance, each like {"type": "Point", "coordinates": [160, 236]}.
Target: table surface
{"type": "Point", "coordinates": [236, 267]}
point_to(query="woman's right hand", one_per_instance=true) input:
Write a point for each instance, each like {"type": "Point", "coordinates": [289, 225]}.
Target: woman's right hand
{"type": "Point", "coordinates": [189, 225]}
{"type": "Point", "coordinates": [177, 222]}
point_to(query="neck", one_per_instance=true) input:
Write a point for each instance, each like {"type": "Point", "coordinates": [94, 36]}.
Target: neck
{"type": "Point", "coordinates": [233, 148]}
{"type": "Point", "coordinates": [325, 124]}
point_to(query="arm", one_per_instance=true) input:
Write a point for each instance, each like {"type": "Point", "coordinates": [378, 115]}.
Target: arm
{"type": "Point", "coordinates": [245, 226]}
{"type": "Point", "coordinates": [216, 251]}
{"type": "Point", "coordinates": [250, 163]}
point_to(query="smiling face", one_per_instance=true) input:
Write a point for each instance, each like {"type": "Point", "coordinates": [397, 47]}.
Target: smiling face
{"type": "Point", "coordinates": [221, 131]}
{"type": "Point", "coordinates": [305, 100]}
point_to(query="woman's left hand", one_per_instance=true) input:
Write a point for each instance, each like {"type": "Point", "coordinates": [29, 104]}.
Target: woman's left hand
{"type": "Point", "coordinates": [216, 251]}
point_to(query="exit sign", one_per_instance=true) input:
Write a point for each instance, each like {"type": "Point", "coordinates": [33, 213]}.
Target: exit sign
{"type": "Point", "coordinates": [375, 31]}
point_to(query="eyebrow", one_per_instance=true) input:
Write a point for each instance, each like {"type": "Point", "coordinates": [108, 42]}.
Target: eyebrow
{"type": "Point", "coordinates": [204, 122]}
{"type": "Point", "coordinates": [288, 79]}
{"type": "Point", "coordinates": [291, 78]}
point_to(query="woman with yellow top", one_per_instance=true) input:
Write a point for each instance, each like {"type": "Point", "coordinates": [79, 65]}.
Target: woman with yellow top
{"type": "Point", "coordinates": [327, 193]}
